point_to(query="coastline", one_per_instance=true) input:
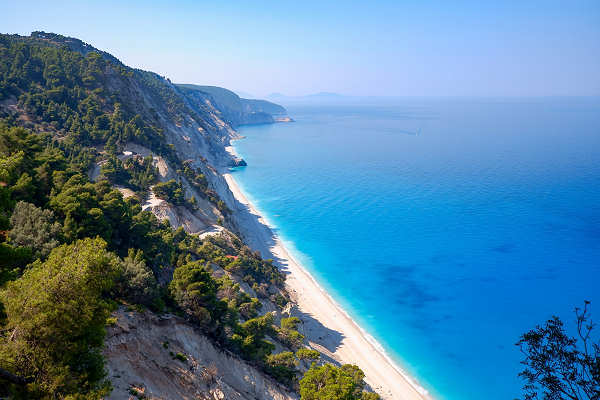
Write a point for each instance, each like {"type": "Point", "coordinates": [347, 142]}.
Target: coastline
{"type": "Point", "coordinates": [328, 327]}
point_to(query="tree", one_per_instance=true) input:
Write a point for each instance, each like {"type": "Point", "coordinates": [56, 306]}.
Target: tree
{"type": "Point", "coordinates": [139, 283]}
{"type": "Point", "coordinates": [34, 228]}
{"type": "Point", "coordinates": [195, 291]}
{"type": "Point", "coordinates": [307, 354]}
{"type": "Point", "coordinates": [289, 333]}
{"type": "Point", "coordinates": [250, 337]}
{"type": "Point", "coordinates": [282, 366]}
{"type": "Point", "coordinates": [170, 191]}
{"type": "Point", "coordinates": [55, 320]}
{"type": "Point", "coordinates": [559, 366]}
{"type": "Point", "coordinates": [11, 259]}
{"type": "Point", "coordinates": [328, 382]}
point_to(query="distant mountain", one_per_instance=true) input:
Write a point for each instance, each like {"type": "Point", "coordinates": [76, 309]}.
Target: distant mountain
{"type": "Point", "coordinates": [236, 110]}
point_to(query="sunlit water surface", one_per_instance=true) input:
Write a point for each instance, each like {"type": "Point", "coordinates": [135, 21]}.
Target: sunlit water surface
{"type": "Point", "coordinates": [445, 227]}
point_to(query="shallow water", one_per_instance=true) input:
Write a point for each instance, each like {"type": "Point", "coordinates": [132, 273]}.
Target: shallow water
{"type": "Point", "coordinates": [445, 227]}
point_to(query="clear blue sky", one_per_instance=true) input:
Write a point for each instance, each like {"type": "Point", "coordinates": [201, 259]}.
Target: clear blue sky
{"type": "Point", "coordinates": [406, 48]}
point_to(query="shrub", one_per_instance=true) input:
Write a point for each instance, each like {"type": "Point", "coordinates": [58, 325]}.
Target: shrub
{"type": "Point", "coordinates": [288, 333]}
{"type": "Point", "coordinates": [34, 228]}
{"type": "Point", "coordinates": [308, 354]}
{"type": "Point", "coordinates": [290, 323]}
{"type": "Point", "coordinates": [282, 366]}
{"type": "Point", "coordinates": [181, 357]}
{"type": "Point", "coordinates": [194, 290]}
{"type": "Point", "coordinates": [249, 338]}
{"type": "Point", "coordinates": [333, 383]}
{"type": "Point", "coordinates": [139, 284]}
{"type": "Point", "coordinates": [170, 191]}
{"type": "Point", "coordinates": [56, 313]}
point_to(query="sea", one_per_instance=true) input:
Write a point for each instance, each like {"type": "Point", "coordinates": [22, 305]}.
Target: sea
{"type": "Point", "coordinates": [446, 227]}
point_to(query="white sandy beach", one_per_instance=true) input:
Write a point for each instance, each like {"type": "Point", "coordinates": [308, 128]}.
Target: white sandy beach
{"type": "Point", "coordinates": [330, 329]}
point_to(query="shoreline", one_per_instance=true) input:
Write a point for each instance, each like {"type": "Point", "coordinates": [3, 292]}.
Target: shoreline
{"type": "Point", "coordinates": [329, 328]}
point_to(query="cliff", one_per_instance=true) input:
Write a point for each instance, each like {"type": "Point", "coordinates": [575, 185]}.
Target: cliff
{"type": "Point", "coordinates": [136, 133]}
{"type": "Point", "coordinates": [140, 350]}
{"type": "Point", "coordinates": [234, 109]}
{"type": "Point", "coordinates": [84, 101]}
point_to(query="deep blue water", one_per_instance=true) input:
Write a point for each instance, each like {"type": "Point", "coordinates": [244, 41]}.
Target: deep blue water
{"type": "Point", "coordinates": [447, 228]}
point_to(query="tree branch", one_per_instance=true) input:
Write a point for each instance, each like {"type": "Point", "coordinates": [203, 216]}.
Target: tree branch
{"type": "Point", "coordinates": [18, 380]}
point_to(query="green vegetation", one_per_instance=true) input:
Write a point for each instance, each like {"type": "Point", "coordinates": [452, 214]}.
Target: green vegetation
{"type": "Point", "coordinates": [230, 292]}
{"type": "Point", "coordinates": [181, 357]}
{"type": "Point", "coordinates": [136, 173]}
{"type": "Point", "coordinates": [249, 338]}
{"type": "Point", "coordinates": [195, 291]}
{"type": "Point", "coordinates": [289, 334]}
{"type": "Point", "coordinates": [559, 366]}
{"type": "Point", "coordinates": [73, 94]}
{"type": "Point", "coordinates": [198, 180]}
{"type": "Point", "coordinates": [138, 284]}
{"type": "Point", "coordinates": [170, 191]}
{"type": "Point", "coordinates": [34, 228]}
{"type": "Point", "coordinates": [307, 354]}
{"type": "Point", "coordinates": [282, 366]}
{"type": "Point", "coordinates": [56, 313]}
{"type": "Point", "coordinates": [332, 383]}
{"type": "Point", "coordinates": [71, 250]}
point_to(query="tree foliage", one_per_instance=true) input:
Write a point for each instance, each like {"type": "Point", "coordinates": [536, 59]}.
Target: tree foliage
{"type": "Point", "coordinates": [170, 191]}
{"type": "Point", "coordinates": [289, 334]}
{"type": "Point", "coordinates": [56, 313]}
{"type": "Point", "coordinates": [282, 366]}
{"type": "Point", "coordinates": [194, 289]}
{"type": "Point", "coordinates": [35, 228]}
{"type": "Point", "coordinates": [65, 107]}
{"type": "Point", "coordinates": [559, 366]}
{"type": "Point", "coordinates": [328, 382]}
{"type": "Point", "coordinates": [139, 283]}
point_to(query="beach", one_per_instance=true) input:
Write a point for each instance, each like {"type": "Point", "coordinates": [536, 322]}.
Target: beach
{"type": "Point", "coordinates": [326, 325]}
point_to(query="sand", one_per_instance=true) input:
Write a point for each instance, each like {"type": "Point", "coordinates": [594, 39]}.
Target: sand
{"type": "Point", "coordinates": [326, 325]}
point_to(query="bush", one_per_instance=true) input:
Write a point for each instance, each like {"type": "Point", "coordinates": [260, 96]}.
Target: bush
{"type": "Point", "coordinates": [11, 258]}
{"type": "Point", "coordinates": [282, 366]}
{"type": "Point", "coordinates": [290, 323]}
{"type": "Point", "coordinates": [249, 338]}
{"type": "Point", "coordinates": [34, 228]}
{"type": "Point", "coordinates": [333, 383]}
{"type": "Point", "coordinates": [181, 357]}
{"type": "Point", "coordinates": [195, 291]}
{"type": "Point", "coordinates": [308, 354]}
{"type": "Point", "coordinates": [56, 317]}
{"type": "Point", "coordinates": [170, 191]}
{"type": "Point", "coordinates": [288, 333]}
{"type": "Point", "coordinates": [139, 284]}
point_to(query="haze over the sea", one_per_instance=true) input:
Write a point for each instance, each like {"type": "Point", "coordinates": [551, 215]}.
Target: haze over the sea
{"type": "Point", "coordinates": [450, 202]}
{"type": "Point", "coordinates": [375, 48]}
{"type": "Point", "coordinates": [446, 227]}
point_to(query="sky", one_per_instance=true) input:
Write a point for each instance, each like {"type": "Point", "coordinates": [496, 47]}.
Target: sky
{"type": "Point", "coordinates": [358, 48]}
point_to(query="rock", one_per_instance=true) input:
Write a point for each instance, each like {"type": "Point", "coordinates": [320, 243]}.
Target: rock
{"type": "Point", "coordinates": [238, 162]}
{"type": "Point", "coordinates": [138, 359]}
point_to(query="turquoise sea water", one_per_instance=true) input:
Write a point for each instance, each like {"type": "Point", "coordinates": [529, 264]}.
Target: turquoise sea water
{"type": "Point", "coordinates": [445, 227]}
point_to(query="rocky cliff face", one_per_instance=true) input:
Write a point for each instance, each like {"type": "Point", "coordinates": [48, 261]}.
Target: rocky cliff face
{"type": "Point", "coordinates": [194, 127]}
{"type": "Point", "coordinates": [234, 109]}
{"type": "Point", "coordinates": [164, 357]}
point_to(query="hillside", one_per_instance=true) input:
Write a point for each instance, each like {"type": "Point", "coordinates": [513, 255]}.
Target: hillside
{"type": "Point", "coordinates": [236, 110]}
{"type": "Point", "coordinates": [122, 268]}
